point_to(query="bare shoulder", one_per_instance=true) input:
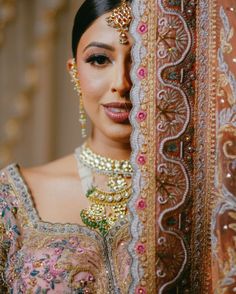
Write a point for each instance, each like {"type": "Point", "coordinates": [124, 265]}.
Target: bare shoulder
{"type": "Point", "coordinates": [65, 166]}
{"type": "Point", "coordinates": [56, 185]}
{"type": "Point", "coordinates": [53, 178]}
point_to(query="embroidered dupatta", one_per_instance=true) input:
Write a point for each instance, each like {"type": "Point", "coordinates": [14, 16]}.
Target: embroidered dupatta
{"type": "Point", "coordinates": [184, 147]}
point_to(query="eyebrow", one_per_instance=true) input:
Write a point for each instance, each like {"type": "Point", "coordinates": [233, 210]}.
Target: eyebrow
{"type": "Point", "coordinates": [99, 45]}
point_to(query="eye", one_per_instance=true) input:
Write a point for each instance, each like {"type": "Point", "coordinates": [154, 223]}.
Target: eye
{"type": "Point", "coordinates": [98, 60]}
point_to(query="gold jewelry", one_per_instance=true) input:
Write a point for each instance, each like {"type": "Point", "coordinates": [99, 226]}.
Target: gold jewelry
{"type": "Point", "coordinates": [120, 19]}
{"type": "Point", "coordinates": [107, 207]}
{"type": "Point", "coordinates": [75, 81]}
{"type": "Point", "coordinates": [104, 165]}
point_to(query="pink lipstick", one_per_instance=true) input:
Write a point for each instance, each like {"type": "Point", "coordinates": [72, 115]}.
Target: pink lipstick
{"type": "Point", "coordinates": [118, 111]}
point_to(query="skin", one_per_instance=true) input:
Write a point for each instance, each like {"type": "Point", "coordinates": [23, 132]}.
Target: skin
{"type": "Point", "coordinates": [105, 80]}
{"type": "Point", "coordinates": [55, 187]}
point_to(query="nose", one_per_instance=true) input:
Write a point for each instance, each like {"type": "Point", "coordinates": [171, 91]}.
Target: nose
{"type": "Point", "coordinates": [121, 82]}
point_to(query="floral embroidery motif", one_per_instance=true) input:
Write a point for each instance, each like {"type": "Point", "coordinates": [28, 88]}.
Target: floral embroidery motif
{"type": "Point", "coordinates": [43, 258]}
{"type": "Point", "coordinates": [141, 159]}
{"type": "Point", "coordinates": [141, 116]}
{"type": "Point", "coordinates": [142, 72]}
{"type": "Point", "coordinates": [224, 216]}
{"type": "Point", "coordinates": [141, 290]}
{"type": "Point", "coordinates": [165, 86]}
{"type": "Point", "coordinates": [142, 28]}
{"type": "Point", "coordinates": [141, 204]}
{"type": "Point", "coordinates": [140, 248]}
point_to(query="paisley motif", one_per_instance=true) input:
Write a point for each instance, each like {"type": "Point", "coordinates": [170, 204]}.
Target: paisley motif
{"type": "Point", "coordinates": [164, 226]}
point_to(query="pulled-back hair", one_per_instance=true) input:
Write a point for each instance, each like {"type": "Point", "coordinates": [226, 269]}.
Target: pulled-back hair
{"type": "Point", "coordinates": [89, 11]}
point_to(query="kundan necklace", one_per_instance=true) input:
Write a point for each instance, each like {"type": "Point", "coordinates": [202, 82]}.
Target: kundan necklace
{"type": "Point", "coordinates": [107, 206]}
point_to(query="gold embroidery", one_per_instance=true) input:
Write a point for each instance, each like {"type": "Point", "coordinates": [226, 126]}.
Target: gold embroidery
{"type": "Point", "coordinates": [223, 81]}
{"type": "Point", "coordinates": [225, 40]}
{"type": "Point", "coordinates": [81, 251]}
{"type": "Point", "coordinates": [3, 258]}
{"type": "Point", "coordinates": [122, 259]}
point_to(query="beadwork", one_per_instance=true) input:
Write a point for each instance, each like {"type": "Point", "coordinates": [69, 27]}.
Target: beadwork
{"type": "Point", "coordinates": [120, 19]}
{"type": "Point", "coordinates": [55, 257]}
{"type": "Point", "coordinates": [107, 207]}
{"type": "Point", "coordinates": [102, 164]}
{"type": "Point", "coordinates": [75, 81]}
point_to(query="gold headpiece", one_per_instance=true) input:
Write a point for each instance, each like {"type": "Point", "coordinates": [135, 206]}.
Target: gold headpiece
{"type": "Point", "coordinates": [120, 19]}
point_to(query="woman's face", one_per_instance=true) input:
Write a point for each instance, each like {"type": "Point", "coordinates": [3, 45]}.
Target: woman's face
{"type": "Point", "coordinates": [103, 71]}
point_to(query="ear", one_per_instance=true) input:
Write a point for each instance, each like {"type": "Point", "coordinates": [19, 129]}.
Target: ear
{"type": "Point", "coordinates": [70, 63]}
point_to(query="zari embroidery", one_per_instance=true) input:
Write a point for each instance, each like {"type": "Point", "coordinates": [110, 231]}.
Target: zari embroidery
{"type": "Point", "coordinates": [224, 214]}
{"type": "Point", "coordinates": [143, 121]}
{"type": "Point", "coordinates": [43, 257]}
{"type": "Point", "coordinates": [173, 184]}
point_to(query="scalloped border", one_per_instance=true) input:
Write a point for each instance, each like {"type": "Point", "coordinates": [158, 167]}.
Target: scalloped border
{"type": "Point", "coordinates": [143, 266]}
{"type": "Point", "coordinates": [204, 161]}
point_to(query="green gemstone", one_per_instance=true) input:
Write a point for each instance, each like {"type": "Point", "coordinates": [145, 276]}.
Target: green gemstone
{"type": "Point", "coordinates": [171, 221]}
{"type": "Point", "coordinates": [174, 2]}
{"type": "Point", "coordinates": [90, 191]}
{"type": "Point", "coordinates": [172, 147]}
{"type": "Point", "coordinates": [173, 76]}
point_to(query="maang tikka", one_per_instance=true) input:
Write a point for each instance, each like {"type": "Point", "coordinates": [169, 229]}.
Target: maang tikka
{"type": "Point", "coordinates": [120, 19]}
{"type": "Point", "coordinates": [75, 81]}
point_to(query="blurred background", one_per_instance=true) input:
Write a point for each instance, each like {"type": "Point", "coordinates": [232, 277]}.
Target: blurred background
{"type": "Point", "coordinates": [38, 106]}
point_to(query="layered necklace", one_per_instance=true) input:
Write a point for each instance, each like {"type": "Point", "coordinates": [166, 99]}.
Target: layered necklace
{"type": "Point", "coordinates": [110, 205]}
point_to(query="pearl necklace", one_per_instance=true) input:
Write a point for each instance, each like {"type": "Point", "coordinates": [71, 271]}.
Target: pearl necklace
{"type": "Point", "coordinates": [107, 207]}
{"type": "Point", "coordinates": [104, 165]}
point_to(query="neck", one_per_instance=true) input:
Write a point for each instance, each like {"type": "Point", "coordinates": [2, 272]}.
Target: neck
{"type": "Point", "coordinates": [109, 148]}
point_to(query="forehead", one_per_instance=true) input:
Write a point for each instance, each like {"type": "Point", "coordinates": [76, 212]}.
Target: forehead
{"type": "Point", "coordinates": [99, 31]}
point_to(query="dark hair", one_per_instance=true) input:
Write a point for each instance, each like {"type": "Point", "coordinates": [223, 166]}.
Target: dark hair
{"type": "Point", "coordinates": [89, 11]}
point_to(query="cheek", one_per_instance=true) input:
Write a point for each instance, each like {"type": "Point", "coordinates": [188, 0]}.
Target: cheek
{"type": "Point", "coordinates": [94, 83]}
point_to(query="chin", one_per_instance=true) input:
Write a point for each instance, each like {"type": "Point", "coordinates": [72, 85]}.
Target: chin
{"type": "Point", "coordinates": [119, 133]}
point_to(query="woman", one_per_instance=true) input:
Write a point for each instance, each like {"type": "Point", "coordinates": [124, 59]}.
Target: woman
{"type": "Point", "coordinates": [53, 237]}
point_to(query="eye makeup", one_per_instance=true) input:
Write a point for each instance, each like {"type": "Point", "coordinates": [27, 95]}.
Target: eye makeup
{"type": "Point", "coordinates": [98, 59]}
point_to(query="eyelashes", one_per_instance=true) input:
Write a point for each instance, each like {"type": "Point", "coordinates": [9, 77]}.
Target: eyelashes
{"type": "Point", "coordinates": [98, 60]}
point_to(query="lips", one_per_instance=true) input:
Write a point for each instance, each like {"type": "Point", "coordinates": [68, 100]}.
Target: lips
{"type": "Point", "coordinates": [118, 111]}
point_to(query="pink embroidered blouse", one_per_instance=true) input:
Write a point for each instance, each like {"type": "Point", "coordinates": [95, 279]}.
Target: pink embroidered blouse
{"type": "Point", "coordinates": [40, 257]}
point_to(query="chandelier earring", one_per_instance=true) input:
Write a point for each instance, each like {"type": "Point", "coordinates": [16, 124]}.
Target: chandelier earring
{"type": "Point", "coordinates": [75, 81]}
